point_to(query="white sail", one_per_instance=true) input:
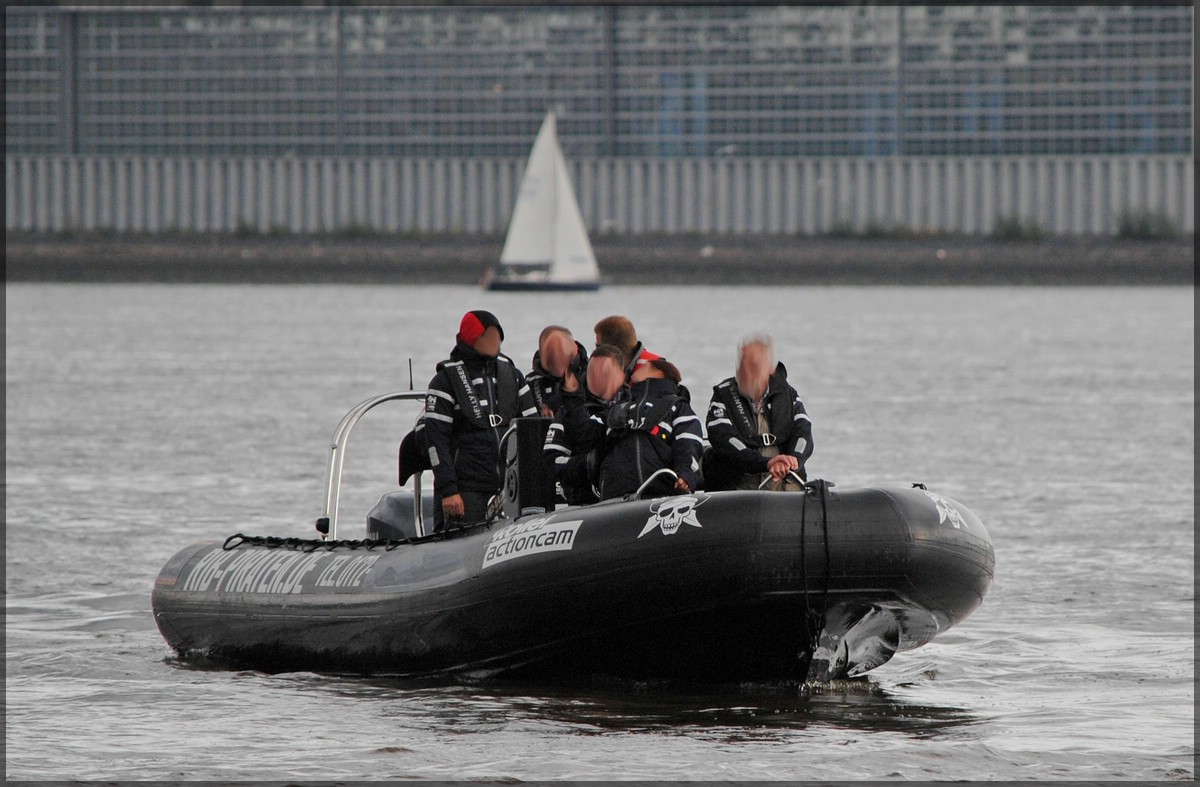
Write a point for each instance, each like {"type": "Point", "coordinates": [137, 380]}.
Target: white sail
{"type": "Point", "coordinates": [547, 241]}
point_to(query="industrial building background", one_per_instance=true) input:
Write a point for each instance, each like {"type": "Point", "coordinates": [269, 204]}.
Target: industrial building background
{"type": "Point", "coordinates": [676, 119]}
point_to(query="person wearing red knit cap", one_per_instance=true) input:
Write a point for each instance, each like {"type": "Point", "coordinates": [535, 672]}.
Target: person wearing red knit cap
{"type": "Point", "coordinates": [470, 401]}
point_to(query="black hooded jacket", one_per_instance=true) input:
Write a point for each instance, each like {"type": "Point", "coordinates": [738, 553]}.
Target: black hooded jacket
{"type": "Point", "coordinates": [578, 430]}
{"type": "Point", "coordinates": [655, 429]}
{"type": "Point", "coordinates": [464, 446]}
{"type": "Point", "coordinates": [733, 432]}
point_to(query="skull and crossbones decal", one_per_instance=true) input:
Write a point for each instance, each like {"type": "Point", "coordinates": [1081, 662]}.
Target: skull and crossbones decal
{"type": "Point", "coordinates": [668, 514]}
{"type": "Point", "coordinates": [946, 511]}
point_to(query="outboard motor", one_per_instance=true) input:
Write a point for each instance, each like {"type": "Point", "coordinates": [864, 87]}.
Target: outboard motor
{"type": "Point", "coordinates": [528, 480]}
{"type": "Point", "coordinates": [393, 516]}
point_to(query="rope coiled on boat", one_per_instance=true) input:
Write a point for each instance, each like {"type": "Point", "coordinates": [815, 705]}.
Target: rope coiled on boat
{"type": "Point", "coordinates": [316, 544]}
{"type": "Point", "coordinates": [312, 544]}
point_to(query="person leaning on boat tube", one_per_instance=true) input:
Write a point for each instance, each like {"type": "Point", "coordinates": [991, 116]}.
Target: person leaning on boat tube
{"type": "Point", "coordinates": [558, 355]}
{"type": "Point", "coordinates": [468, 405]}
{"type": "Point", "coordinates": [619, 332]}
{"type": "Point", "coordinates": [757, 425]}
{"type": "Point", "coordinates": [655, 429]}
{"type": "Point", "coordinates": [577, 432]}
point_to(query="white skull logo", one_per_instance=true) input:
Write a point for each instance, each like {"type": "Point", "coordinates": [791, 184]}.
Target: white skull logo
{"type": "Point", "coordinates": [946, 511]}
{"type": "Point", "coordinates": [670, 513]}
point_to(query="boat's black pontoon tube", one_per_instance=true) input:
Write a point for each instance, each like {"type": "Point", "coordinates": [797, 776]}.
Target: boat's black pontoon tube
{"type": "Point", "coordinates": [740, 585]}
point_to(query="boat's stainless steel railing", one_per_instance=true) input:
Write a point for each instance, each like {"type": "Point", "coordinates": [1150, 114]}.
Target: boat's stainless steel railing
{"type": "Point", "coordinates": [337, 457]}
{"type": "Point", "coordinates": [661, 471]}
{"type": "Point", "coordinates": [792, 473]}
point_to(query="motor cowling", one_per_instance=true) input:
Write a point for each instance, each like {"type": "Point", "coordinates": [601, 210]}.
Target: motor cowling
{"type": "Point", "coordinates": [393, 517]}
{"type": "Point", "coordinates": [528, 478]}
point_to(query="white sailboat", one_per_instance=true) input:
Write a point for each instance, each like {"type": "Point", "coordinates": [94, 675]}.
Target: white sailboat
{"type": "Point", "coordinates": [547, 245]}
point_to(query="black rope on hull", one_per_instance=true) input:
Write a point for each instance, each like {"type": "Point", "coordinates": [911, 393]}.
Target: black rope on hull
{"type": "Point", "coordinates": [814, 619]}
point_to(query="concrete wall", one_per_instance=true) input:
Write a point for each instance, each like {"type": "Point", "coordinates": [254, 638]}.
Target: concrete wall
{"type": "Point", "coordinates": [1064, 195]}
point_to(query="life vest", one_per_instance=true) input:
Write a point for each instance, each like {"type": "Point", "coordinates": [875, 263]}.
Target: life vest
{"type": "Point", "coordinates": [633, 416]}
{"type": "Point", "coordinates": [503, 409]}
{"type": "Point", "coordinates": [779, 414]}
{"type": "Point", "coordinates": [414, 453]}
{"type": "Point", "coordinates": [535, 388]}
{"type": "Point", "coordinates": [649, 419]}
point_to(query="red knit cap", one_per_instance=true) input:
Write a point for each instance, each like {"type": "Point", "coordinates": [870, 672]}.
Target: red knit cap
{"type": "Point", "coordinates": [474, 323]}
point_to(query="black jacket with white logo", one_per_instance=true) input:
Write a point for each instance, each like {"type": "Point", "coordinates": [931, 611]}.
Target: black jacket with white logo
{"type": "Point", "coordinates": [734, 435]}
{"type": "Point", "coordinates": [573, 442]}
{"type": "Point", "coordinates": [468, 406]}
{"type": "Point", "coordinates": [655, 429]}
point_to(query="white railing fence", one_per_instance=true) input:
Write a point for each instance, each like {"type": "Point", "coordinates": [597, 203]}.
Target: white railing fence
{"type": "Point", "coordinates": [1079, 195]}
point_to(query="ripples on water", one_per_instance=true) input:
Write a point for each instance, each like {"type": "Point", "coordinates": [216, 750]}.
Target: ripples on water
{"type": "Point", "coordinates": [142, 418]}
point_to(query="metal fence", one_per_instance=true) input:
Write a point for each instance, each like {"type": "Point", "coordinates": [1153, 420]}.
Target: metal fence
{"type": "Point", "coordinates": [155, 194]}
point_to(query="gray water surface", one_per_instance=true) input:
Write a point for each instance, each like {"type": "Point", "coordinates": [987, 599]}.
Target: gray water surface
{"type": "Point", "coordinates": [142, 418]}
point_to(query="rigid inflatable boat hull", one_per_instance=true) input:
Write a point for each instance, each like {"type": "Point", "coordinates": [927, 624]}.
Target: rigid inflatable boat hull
{"type": "Point", "coordinates": [722, 586]}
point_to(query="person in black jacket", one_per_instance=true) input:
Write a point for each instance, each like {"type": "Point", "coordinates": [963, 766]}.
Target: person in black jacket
{"type": "Point", "coordinates": [558, 354]}
{"type": "Point", "coordinates": [578, 429]}
{"type": "Point", "coordinates": [468, 406]}
{"type": "Point", "coordinates": [757, 425]}
{"type": "Point", "coordinates": [655, 429]}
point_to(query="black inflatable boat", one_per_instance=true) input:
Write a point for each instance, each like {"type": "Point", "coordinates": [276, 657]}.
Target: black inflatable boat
{"type": "Point", "coordinates": [727, 586]}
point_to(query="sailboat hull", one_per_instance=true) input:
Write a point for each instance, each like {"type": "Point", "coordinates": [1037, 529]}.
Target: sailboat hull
{"type": "Point", "coordinates": [511, 285]}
